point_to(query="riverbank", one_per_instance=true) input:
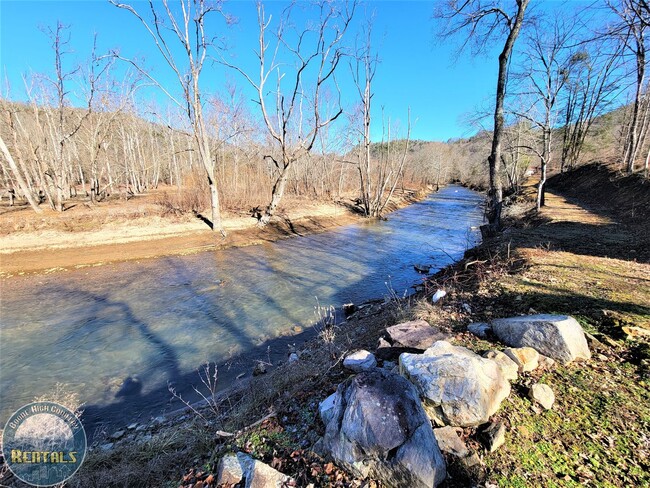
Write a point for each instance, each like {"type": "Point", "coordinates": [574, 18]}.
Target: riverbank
{"type": "Point", "coordinates": [98, 235]}
{"type": "Point", "coordinates": [572, 258]}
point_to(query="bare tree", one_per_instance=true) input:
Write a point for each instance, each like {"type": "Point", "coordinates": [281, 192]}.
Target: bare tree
{"type": "Point", "coordinates": [547, 68]}
{"type": "Point", "coordinates": [486, 19]}
{"type": "Point", "coordinates": [293, 116]}
{"type": "Point", "coordinates": [187, 28]}
{"type": "Point", "coordinates": [632, 32]}
{"type": "Point", "coordinates": [381, 169]}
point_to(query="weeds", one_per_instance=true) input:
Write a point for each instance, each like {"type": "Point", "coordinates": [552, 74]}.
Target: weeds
{"type": "Point", "coordinates": [208, 375]}
{"type": "Point", "coordinates": [326, 326]}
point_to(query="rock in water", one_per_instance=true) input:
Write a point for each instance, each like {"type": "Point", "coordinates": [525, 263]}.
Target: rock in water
{"type": "Point", "coordinates": [360, 361]}
{"type": "Point", "coordinates": [542, 394]}
{"type": "Point", "coordinates": [458, 387]}
{"type": "Point", "coordinates": [416, 334]}
{"type": "Point", "coordinates": [377, 428]}
{"type": "Point", "coordinates": [557, 336]}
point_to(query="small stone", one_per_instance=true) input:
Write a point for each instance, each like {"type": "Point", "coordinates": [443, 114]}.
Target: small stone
{"type": "Point", "coordinates": [509, 368]}
{"type": "Point", "coordinates": [117, 435]}
{"type": "Point", "coordinates": [293, 357]}
{"type": "Point", "coordinates": [526, 358]}
{"type": "Point", "coordinates": [260, 368]}
{"type": "Point", "coordinates": [494, 436]}
{"type": "Point", "coordinates": [326, 408]}
{"type": "Point", "coordinates": [389, 365]}
{"type": "Point", "coordinates": [158, 420]}
{"type": "Point", "coordinates": [140, 428]}
{"type": "Point", "coordinates": [448, 441]}
{"type": "Point", "coordinates": [438, 295]}
{"type": "Point", "coordinates": [479, 329]}
{"type": "Point", "coordinates": [146, 438]}
{"type": "Point", "coordinates": [360, 361]}
{"type": "Point", "coordinates": [467, 308]}
{"type": "Point", "coordinates": [106, 447]}
{"type": "Point", "coordinates": [132, 426]}
{"type": "Point", "coordinates": [471, 460]}
{"type": "Point", "coordinates": [416, 334]}
{"type": "Point", "coordinates": [231, 469]}
{"type": "Point", "coordinates": [542, 394]}
{"type": "Point", "coordinates": [546, 363]}
{"type": "Point", "coordinates": [349, 309]}
{"type": "Point", "coordinates": [601, 357]}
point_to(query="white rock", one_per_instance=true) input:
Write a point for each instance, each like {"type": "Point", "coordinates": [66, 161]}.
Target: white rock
{"type": "Point", "coordinates": [458, 387]}
{"type": "Point", "coordinates": [542, 394]}
{"type": "Point", "coordinates": [360, 361]}
{"type": "Point", "coordinates": [526, 358]}
{"type": "Point", "coordinates": [557, 336]}
{"type": "Point", "coordinates": [438, 295]}
{"type": "Point", "coordinates": [509, 368]}
{"type": "Point", "coordinates": [449, 442]}
{"type": "Point", "coordinates": [326, 408]}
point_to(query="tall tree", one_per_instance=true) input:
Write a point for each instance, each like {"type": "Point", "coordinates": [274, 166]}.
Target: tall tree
{"type": "Point", "coordinates": [303, 64]}
{"type": "Point", "coordinates": [486, 20]}
{"type": "Point", "coordinates": [187, 28]}
{"type": "Point", "coordinates": [631, 29]}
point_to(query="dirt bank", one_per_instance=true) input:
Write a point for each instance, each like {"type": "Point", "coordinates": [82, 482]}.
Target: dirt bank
{"type": "Point", "coordinates": [92, 237]}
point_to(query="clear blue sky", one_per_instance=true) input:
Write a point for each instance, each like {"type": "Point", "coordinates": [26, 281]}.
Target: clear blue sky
{"type": "Point", "coordinates": [416, 70]}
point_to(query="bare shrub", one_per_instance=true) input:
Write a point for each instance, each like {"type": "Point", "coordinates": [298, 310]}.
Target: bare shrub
{"type": "Point", "coordinates": [208, 375]}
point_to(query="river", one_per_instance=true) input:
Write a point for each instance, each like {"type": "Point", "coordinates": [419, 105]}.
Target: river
{"type": "Point", "coordinates": [118, 333]}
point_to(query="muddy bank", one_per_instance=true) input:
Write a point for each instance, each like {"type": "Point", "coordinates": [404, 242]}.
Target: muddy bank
{"type": "Point", "coordinates": [48, 251]}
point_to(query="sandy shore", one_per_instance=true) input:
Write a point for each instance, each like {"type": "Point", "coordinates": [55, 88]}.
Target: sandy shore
{"type": "Point", "coordinates": [53, 249]}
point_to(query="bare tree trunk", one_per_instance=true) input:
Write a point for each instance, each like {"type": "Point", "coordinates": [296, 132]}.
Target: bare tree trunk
{"type": "Point", "coordinates": [496, 189]}
{"type": "Point", "coordinates": [19, 178]}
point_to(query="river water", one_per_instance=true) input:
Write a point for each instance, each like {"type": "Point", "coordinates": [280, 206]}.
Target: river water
{"type": "Point", "coordinates": [117, 334]}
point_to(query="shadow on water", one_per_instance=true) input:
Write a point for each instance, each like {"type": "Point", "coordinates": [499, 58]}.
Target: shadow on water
{"type": "Point", "coordinates": [119, 334]}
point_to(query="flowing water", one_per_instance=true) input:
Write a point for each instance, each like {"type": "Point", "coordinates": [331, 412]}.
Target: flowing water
{"type": "Point", "coordinates": [117, 334]}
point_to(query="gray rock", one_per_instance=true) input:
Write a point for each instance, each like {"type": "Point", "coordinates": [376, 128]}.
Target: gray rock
{"type": "Point", "coordinates": [542, 394]}
{"type": "Point", "coordinates": [326, 408]}
{"type": "Point", "coordinates": [449, 442]}
{"type": "Point", "coordinates": [416, 334]}
{"type": "Point", "coordinates": [458, 387]}
{"type": "Point", "coordinates": [132, 426]}
{"type": "Point", "coordinates": [378, 429]}
{"type": "Point", "coordinates": [117, 435]}
{"type": "Point", "coordinates": [494, 436]}
{"type": "Point", "coordinates": [479, 329]}
{"type": "Point", "coordinates": [360, 361]}
{"type": "Point", "coordinates": [509, 368]}
{"type": "Point", "coordinates": [557, 336]}
{"type": "Point", "coordinates": [526, 358]}
{"type": "Point", "coordinates": [106, 447]}
{"type": "Point", "coordinates": [293, 357]}
{"type": "Point", "coordinates": [259, 369]}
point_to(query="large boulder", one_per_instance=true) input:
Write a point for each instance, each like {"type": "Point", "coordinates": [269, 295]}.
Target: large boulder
{"type": "Point", "coordinates": [457, 386]}
{"type": "Point", "coordinates": [416, 334]}
{"type": "Point", "coordinates": [376, 427]}
{"type": "Point", "coordinates": [557, 336]}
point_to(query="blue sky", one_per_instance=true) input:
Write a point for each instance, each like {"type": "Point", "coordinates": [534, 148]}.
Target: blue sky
{"type": "Point", "coordinates": [417, 70]}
